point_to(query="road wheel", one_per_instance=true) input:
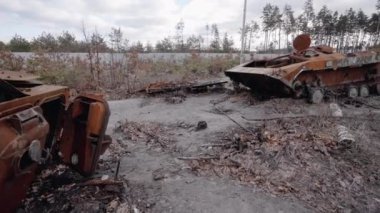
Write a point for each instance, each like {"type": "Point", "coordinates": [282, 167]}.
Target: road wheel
{"type": "Point", "coordinates": [352, 92]}
{"type": "Point", "coordinates": [315, 95]}
{"type": "Point", "coordinates": [236, 86]}
{"type": "Point", "coordinates": [298, 89]}
{"type": "Point", "coordinates": [364, 91]}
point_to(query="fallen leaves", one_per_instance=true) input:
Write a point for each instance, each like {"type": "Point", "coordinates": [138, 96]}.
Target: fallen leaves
{"type": "Point", "coordinates": [299, 157]}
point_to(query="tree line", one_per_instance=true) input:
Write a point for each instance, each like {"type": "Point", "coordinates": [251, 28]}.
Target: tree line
{"type": "Point", "coordinates": [351, 30]}
{"type": "Point", "coordinates": [116, 42]}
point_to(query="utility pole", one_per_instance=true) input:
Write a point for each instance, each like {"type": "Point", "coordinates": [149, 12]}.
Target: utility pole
{"type": "Point", "coordinates": [243, 32]}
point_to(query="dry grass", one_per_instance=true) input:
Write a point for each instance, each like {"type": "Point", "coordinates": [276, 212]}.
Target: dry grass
{"type": "Point", "coordinates": [118, 78]}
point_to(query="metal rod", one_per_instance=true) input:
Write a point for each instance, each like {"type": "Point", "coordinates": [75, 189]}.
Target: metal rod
{"type": "Point", "coordinates": [243, 32]}
{"type": "Point", "coordinates": [117, 169]}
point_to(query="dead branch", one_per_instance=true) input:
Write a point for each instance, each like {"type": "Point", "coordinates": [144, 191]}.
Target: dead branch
{"type": "Point", "coordinates": [198, 157]}
{"type": "Point", "coordinates": [216, 144]}
{"type": "Point", "coordinates": [241, 126]}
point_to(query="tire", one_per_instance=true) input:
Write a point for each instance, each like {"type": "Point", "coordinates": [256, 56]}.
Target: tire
{"type": "Point", "coordinates": [352, 92]}
{"type": "Point", "coordinates": [364, 91]}
{"type": "Point", "coordinates": [315, 95]}
{"type": "Point", "coordinates": [298, 89]}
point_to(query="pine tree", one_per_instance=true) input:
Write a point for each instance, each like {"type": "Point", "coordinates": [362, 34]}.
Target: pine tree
{"type": "Point", "coordinates": [227, 43]}
{"type": "Point", "coordinates": [289, 23]}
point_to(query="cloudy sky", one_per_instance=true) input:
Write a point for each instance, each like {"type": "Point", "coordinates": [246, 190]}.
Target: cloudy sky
{"type": "Point", "coordinates": [144, 20]}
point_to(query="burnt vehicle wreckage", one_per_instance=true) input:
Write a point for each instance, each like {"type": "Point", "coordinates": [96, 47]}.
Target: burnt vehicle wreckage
{"type": "Point", "coordinates": [310, 72]}
{"type": "Point", "coordinates": [40, 124]}
{"type": "Point", "coordinates": [43, 123]}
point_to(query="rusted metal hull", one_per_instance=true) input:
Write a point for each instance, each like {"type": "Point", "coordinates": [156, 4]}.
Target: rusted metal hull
{"type": "Point", "coordinates": [39, 123]}
{"type": "Point", "coordinates": [261, 83]}
{"type": "Point", "coordinates": [328, 79]}
{"type": "Point", "coordinates": [309, 69]}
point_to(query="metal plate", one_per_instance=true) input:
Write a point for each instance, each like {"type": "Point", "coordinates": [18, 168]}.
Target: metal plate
{"type": "Point", "coordinates": [302, 42]}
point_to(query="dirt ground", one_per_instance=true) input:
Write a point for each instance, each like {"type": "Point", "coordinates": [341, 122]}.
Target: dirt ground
{"type": "Point", "coordinates": [227, 152]}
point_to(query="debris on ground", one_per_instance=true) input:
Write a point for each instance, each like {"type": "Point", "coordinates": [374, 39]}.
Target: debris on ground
{"type": "Point", "coordinates": [150, 133]}
{"type": "Point", "coordinates": [183, 125]}
{"type": "Point", "coordinates": [244, 96]}
{"type": "Point", "coordinates": [170, 86]}
{"type": "Point", "coordinates": [288, 152]}
{"type": "Point", "coordinates": [165, 86]}
{"type": "Point", "coordinates": [201, 125]}
{"type": "Point", "coordinates": [60, 189]}
{"type": "Point", "coordinates": [345, 138]}
{"type": "Point", "coordinates": [175, 98]}
{"type": "Point", "coordinates": [300, 157]}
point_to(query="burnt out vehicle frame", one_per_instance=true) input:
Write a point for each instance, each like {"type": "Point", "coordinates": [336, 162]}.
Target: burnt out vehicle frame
{"type": "Point", "coordinates": [310, 72]}
{"type": "Point", "coordinates": [41, 124]}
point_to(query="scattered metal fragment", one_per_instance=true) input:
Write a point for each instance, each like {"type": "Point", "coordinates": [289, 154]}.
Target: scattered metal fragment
{"type": "Point", "coordinates": [336, 110]}
{"type": "Point", "coordinates": [231, 119]}
{"type": "Point", "coordinates": [162, 87]}
{"type": "Point", "coordinates": [345, 138]}
{"type": "Point", "coordinates": [40, 122]}
{"type": "Point", "coordinates": [117, 169]}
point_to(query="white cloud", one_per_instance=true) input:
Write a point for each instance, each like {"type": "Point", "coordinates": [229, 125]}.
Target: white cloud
{"type": "Point", "coordinates": [141, 19]}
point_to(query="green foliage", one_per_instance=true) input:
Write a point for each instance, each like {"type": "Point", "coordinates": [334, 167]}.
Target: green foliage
{"type": "Point", "coordinates": [137, 47]}
{"type": "Point", "coordinates": [19, 44]}
{"type": "Point", "coordinates": [68, 43]}
{"type": "Point", "coordinates": [289, 21]}
{"type": "Point", "coordinates": [148, 47]}
{"type": "Point", "coordinates": [3, 47]}
{"type": "Point", "coordinates": [348, 31]}
{"type": "Point", "coordinates": [45, 42]}
{"type": "Point", "coordinates": [194, 43]}
{"type": "Point", "coordinates": [227, 44]}
{"type": "Point", "coordinates": [215, 43]}
{"type": "Point", "coordinates": [165, 45]}
{"type": "Point", "coordinates": [118, 42]}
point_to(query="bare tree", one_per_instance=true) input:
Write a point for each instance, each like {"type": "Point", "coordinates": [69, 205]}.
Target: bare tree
{"type": "Point", "coordinates": [95, 44]}
{"type": "Point", "coordinates": [180, 44]}
{"type": "Point", "coordinates": [90, 55]}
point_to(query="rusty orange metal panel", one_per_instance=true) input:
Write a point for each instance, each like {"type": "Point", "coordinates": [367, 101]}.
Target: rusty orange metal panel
{"type": "Point", "coordinates": [18, 159]}
{"type": "Point", "coordinates": [31, 116]}
{"type": "Point", "coordinates": [307, 67]}
{"type": "Point", "coordinates": [81, 142]}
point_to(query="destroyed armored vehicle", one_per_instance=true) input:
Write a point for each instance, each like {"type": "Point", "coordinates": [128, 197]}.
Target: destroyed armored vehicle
{"type": "Point", "coordinates": [311, 72]}
{"type": "Point", "coordinates": [40, 124]}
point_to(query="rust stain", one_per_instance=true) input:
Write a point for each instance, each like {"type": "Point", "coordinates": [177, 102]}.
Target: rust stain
{"type": "Point", "coordinates": [307, 67]}
{"type": "Point", "coordinates": [30, 121]}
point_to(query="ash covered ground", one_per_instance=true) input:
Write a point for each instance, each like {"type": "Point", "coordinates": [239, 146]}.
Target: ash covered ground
{"type": "Point", "coordinates": [226, 152]}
